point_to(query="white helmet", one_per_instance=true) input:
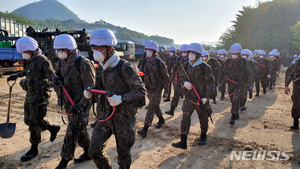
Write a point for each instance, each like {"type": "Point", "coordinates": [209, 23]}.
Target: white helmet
{"type": "Point", "coordinates": [172, 48]}
{"type": "Point", "coordinates": [64, 41]}
{"type": "Point", "coordinates": [298, 56]}
{"type": "Point", "coordinates": [295, 56]}
{"type": "Point", "coordinates": [222, 52]}
{"type": "Point", "coordinates": [205, 53]}
{"type": "Point", "coordinates": [152, 45]}
{"type": "Point", "coordinates": [272, 53]}
{"type": "Point", "coordinates": [255, 51]}
{"type": "Point", "coordinates": [26, 44]}
{"type": "Point", "coordinates": [184, 47]}
{"type": "Point", "coordinates": [262, 52]}
{"type": "Point", "coordinates": [250, 54]}
{"type": "Point", "coordinates": [236, 48]}
{"type": "Point", "coordinates": [245, 52]}
{"type": "Point", "coordinates": [147, 41]}
{"type": "Point", "coordinates": [275, 50]}
{"type": "Point", "coordinates": [103, 37]}
{"type": "Point", "coordinates": [195, 47]}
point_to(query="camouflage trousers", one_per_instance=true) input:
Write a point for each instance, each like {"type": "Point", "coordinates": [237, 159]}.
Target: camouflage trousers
{"type": "Point", "coordinates": [263, 80]}
{"type": "Point", "coordinates": [216, 86]}
{"type": "Point", "coordinates": [272, 80]}
{"type": "Point", "coordinates": [76, 133]}
{"type": "Point", "coordinates": [188, 109]}
{"type": "Point", "coordinates": [124, 130]}
{"type": "Point", "coordinates": [237, 93]}
{"type": "Point", "coordinates": [154, 97]}
{"type": "Point", "coordinates": [177, 94]}
{"type": "Point", "coordinates": [34, 112]}
{"type": "Point", "coordinates": [223, 88]}
{"type": "Point", "coordinates": [296, 101]}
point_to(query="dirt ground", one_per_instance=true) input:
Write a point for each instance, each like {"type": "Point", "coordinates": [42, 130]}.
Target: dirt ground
{"type": "Point", "coordinates": [264, 126]}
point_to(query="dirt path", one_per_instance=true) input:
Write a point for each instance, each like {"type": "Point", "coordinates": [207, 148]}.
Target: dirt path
{"type": "Point", "coordinates": [264, 126]}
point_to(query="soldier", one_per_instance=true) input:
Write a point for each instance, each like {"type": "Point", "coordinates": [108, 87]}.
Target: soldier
{"type": "Point", "coordinates": [177, 86]}
{"type": "Point", "coordinates": [277, 56]}
{"type": "Point", "coordinates": [170, 65]}
{"type": "Point", "coordinates": [215, 67]}
{"type": "Point", "coordinates": [264, 71]}
{"type": "Point", "coordinates": [156, 78]}
{"type": "Point", "coordinates": [249, 86]}
{"type": "Point", "coordinates": [222, 57]}
{"type": "Point", "coordinates": [120, 78]}
{"type": "Point", "coordinates": [295, 57]}
{"type": "Point", "coordinates": [254, 69]}
{"type": "Point", "coordinates": [256, 54]}
{"type": "Point", "coordinates": [200, 77]}
{"type": "Point", "coordinates": [37, 69]}
{"type": "Point", "coordinates": [30, 31]}
{"type": "Point", "coordinates": [237, 72]}
{"type": "Point", "coordinates": [293, 73]}
{"type": "Point", "coordinates": [276, 67]}
{"type": "Point", "coordinates": [75, 73]}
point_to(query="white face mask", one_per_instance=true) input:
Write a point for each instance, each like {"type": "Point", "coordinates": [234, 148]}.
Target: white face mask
{"type": "Point", "coordinates": [222, 56]}
{"type": "Point", "coordinates": [98, 56]}
{"type": "Point", "coordinates": [204, 58]}
{"type": "Point", "coordinates": [62, 55]}
{"type": "Point", "coordinates": [149, 53]}
{"type": "Point", "coordinates": [261, 56]}
{"type": "Point", "coordinates": [184, 54]}
{"type": "Point", "coordinates": [26, 56]}
{"type": "Point", "coordinates": [244, 56]}
{"type": "Point", "coordinates": [234, 56]}
{"type": "Point", "coordinates": [171, 54]}
{"type": "Point", "coordinates": [271, 57]}
{"type": "Point", "coordinates": [192, 57]}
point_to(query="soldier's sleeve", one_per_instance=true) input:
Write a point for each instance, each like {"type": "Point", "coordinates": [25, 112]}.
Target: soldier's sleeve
{"type": "Point", "coordinates": [249, 73]}
{"type": "Point", "coordinates": [134, 81]}
{"type": "Point", "coordinates": [87, 76]}
{"type": "Point", "coordinates": [277, 65]}
{"type": "Point", "coordinates": [48, 70]}
{"type": "Point", "coordinates": [210, 82]}
{"type": "Point", "coordinates": [290, 72]}
{"type": "Point", "coordinates": [218, 69]}
{"type": "Point", "coordinates": [165, 75]}
{"type": "Point", "coordinates": [57, 88]}
{"type": "Point", "coordinates": [270, 67]}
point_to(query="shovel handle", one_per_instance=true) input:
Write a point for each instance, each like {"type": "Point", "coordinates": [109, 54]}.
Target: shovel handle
{"type": "Point", "coordinates": [9, 100]}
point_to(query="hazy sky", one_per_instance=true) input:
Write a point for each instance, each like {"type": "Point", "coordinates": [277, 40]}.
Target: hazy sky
{"type": "Point", "coordinates": [185, 21]}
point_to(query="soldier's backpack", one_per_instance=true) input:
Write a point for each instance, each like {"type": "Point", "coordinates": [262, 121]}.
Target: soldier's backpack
{"type": "Point", "coordinates": [140, 102]}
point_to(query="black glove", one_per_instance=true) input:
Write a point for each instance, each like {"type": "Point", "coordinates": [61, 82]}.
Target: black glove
{"type": "Point", "coordinates": [76, 108]}
{"type": "Point", "coordinates": [13, 77]}
{"type": "Point", "coordinates": [58, 80]}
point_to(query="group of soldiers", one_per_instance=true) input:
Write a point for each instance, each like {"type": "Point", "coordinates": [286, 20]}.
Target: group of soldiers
{"type": "Point", "coordinates": [118, 91]}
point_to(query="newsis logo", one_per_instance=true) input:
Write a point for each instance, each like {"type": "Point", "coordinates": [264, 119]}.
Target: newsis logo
{"type": "Point", "coordinates": [260, 155]}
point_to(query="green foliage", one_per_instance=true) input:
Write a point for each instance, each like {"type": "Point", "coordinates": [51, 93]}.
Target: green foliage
{"type": "Point", "coordinates": [260, 27]}
{"type": "Point", "coordinates": [296, 34]}
{"type": "Point", "coordinates": [18, 18]}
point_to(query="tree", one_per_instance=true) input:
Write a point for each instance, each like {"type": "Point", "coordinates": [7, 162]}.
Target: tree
{"type": "Point", "coordinates": [296, 34]}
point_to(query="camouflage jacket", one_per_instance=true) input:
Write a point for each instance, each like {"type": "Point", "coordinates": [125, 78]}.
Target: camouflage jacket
{"type": "Point", "coordinates": [275, 65]}
{"type": "Point", "coordinates": [293, 72]}
{"type": "Point", "coordinates": [221, 61]}
{"type": "Point", "coordinates": [177, 67]}
{"type": "Point", "coordinates": [215, 67]}
{"type": "Point", "coordinates": [264, 67]}
{"type": "Point", "coordinates": [171, 62]}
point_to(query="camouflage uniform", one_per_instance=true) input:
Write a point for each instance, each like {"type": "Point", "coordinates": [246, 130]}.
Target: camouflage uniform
{"type": "Point", "coordinates": [38, 80]}
{"type": "Point", "coordinates": [223, 82]}
{"type": "Point", "coordinates": [122, 123]}
{"type": "Point", "coordinates": [75, 82]}
{"type": "Point", "coordinates": [163, 56]}
{"type": "Point", "coordinates": [264, 68]}
{"type": "Point", "coordinates": [204, 85]}
{"type": "Point", "coordinates": [155, 80]}
{"type": "Point", "coordinates": [177, 85]}
{"type": "Point", "coordinates": [279, 61]}
{"type": "Point", "coordinates": [170, 65]}
{"type": "Point", "coordinates": [239, 71]}
{"type": "Point", "coordinates": [249, 84]}
{"type": "Point", "coordinates": [293, 73]}
{"type": "Point", "coordinates": [276, 67]}
{"type": "Point", "coordinates": [215, 67]}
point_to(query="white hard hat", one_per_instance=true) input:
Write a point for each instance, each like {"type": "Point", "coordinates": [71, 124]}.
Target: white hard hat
{"type": "Point", "coordinates": [295, 56]}
{"type": "Point", "coordinates": [147, 41]}
{"type": "Point", "coordinates": [298, 56]}
{"type": "Point", "coordinates": [196, 47]}
{"type": "Point", "coordinates": [245, 52]}
{"type": "Point", "coordinates": [250, 54]}
{"type": "Point", "coordinates": [64, 41]}
{"type": "Point", "coordinates": [205, 53]}
{"type": "Point", "coordinates": [272, 53]}
{"type": "Point", "coordinates": [256, 51]}
{"type": "Point", "coordinates": [151, 45]}
{"type": "Point", "coordinates": [172, 48]}
{"type": "Point", "coordinates": [275, 50]}
{"type": "Point", "coordinates": [26, 44]}
{"type": "Point", "coordinates": [278, 53]}
{"type": "Point", "coordinates": [262, 52]}
{"type": "Point", "coordinates": [222, 52]}
{"type": "Point", "coordinates": [103, 37]}
{"type": "Point", "coordinates": [184, 47]}
{"type": "Point", "coordinates": [236, 48]}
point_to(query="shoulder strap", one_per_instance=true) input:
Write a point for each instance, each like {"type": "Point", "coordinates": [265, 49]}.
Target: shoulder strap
{"type": "Point", "coordinates": [120, 73]}
{"type": "Point", "coordinates": [77, 63]}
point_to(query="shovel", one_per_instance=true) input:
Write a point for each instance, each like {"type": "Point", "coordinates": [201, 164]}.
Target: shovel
{"type": "Point", "coordinates": [7, 130]}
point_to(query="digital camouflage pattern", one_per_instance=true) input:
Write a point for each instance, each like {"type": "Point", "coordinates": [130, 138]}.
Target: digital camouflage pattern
{"type": "Point", "coordinates": [215, 67]}
{"type": "Point", "coordinates": [264, 67]}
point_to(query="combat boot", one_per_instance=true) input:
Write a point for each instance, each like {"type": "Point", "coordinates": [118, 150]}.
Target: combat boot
{"type": "Point", "coordinates": [62, 164]}
{"type": "Point", "coordinates": [296, 124]}
{"type": "Point", "coordinates": [265, 90]}
{"type": "Point", "coordinates": [182, 143]}
{"type": "Point", "coordinates": [171, 112]}
{"type": "Point", "coordinates": [222, 96]}
{"type": "Point", "coordinates": [233, 118]}
{"type": "Point", "coordinates": [257, 94]}
{"type": "Point", "coordinates": [271, 87]}
{"type": "Point", "coordinates": [243, 107]}
{"type": "Point", "coordinates": [160, 122]}
{"type": "Point", "coordinates": [84, 157]}
{"type": "Point", "coordinates": [33, 152]}
{"type": "Point", "coordinates": [167, 99]}
{"type": "Point", "coordinates": [214, 100]}
{"type": "Point", "coordinates": [53, 130]}
{"type": "Point", "coordinates": [143, 132]}
{"type": "Point", "coordinates": [202, 141]}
